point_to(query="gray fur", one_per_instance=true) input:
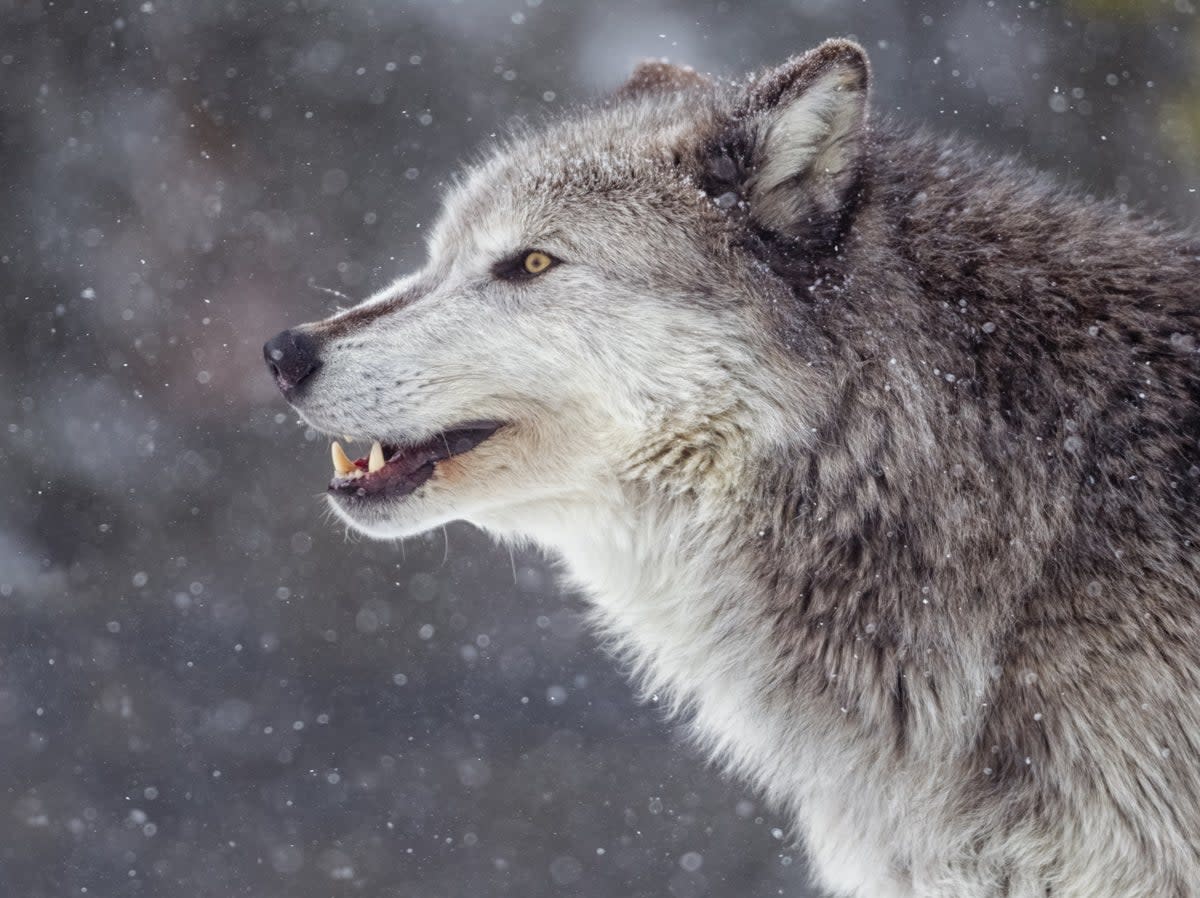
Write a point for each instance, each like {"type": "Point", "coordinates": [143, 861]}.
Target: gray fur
{"type": "Point", "coordinates": [885, 471]}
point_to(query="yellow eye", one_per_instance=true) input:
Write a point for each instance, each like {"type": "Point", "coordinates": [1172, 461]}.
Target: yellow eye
{"type": "Point", "coordinates": [536, 262]}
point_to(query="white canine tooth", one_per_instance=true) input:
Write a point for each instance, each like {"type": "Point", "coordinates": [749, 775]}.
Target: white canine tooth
{"type": "Point", "coordinates": [341, 462]}
{"type": "Point", "coordinates": [375, 462]}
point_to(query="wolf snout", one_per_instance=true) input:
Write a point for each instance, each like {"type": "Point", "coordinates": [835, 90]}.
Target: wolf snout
{"type": "Point", "coordinates": [292, 356]}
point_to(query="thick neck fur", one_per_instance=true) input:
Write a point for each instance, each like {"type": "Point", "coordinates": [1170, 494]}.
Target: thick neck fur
{"type": "Point", "coordinates": [696, 593]}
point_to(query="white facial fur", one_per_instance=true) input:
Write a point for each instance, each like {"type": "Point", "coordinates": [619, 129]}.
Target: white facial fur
{"type": "Point", "coordinates": [623, 358]}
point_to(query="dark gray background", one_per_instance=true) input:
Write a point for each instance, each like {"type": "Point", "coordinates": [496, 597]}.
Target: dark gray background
{"type": "Point", "coordinates": [206, 688]}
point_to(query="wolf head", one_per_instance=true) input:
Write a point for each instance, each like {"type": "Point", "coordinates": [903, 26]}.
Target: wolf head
{"type": "Point", "coordinates": [605, 301]}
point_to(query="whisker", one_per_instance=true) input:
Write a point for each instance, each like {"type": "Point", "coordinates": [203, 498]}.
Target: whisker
{"type": "Point", "coordinates": [339, 294]}
{"type": "Point", "coordinates": [452, 378]}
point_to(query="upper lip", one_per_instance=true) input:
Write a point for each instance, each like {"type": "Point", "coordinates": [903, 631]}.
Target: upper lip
{"type": "Point", "coordinates": [397, 469]}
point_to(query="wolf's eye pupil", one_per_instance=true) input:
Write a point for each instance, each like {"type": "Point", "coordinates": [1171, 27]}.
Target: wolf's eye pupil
{"type": "Point", "coordinates": [536, 262]}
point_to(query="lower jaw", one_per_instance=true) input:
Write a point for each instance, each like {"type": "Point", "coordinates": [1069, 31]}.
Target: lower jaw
{"type": "Point", "coordinates": [386, 519]}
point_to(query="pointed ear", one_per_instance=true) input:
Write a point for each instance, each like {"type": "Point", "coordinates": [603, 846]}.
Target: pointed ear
{"type": "Point", "coordinates": [653, 76]}
{"type": "Point", "coordinates": [794, 153]}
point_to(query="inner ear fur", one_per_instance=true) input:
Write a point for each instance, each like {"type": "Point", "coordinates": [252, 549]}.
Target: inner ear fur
{"type": "Point", "coordinates": [793, 151]}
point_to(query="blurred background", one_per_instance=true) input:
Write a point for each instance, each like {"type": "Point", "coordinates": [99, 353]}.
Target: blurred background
{"type": "Point", "coordinates": [206, 687]}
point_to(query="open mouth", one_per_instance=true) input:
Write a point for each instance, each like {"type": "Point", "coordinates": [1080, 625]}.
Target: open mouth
{"type": "Point", "coordinates": [393, 471]}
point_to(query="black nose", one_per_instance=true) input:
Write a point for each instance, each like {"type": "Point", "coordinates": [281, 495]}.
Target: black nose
{"type": "Point", "coordinates": [292, 357]}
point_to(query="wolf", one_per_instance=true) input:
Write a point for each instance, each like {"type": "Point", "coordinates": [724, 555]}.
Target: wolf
{"type": "Point", "coordinates": [876, 454]}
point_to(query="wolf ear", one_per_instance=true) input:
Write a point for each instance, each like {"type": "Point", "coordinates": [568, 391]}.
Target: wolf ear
{"type": "Point", "coordinates": [656, 76]}
{"type": "Point", "coordinates": [794, 151]}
